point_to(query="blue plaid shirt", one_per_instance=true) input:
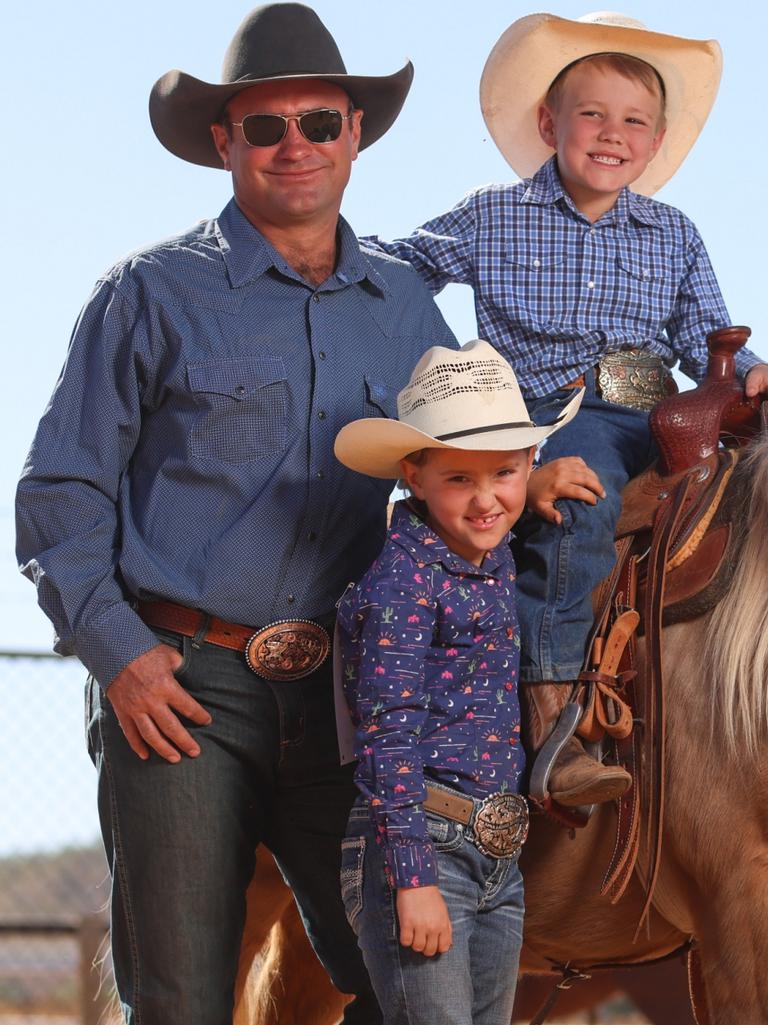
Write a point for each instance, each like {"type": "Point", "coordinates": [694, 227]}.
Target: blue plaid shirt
{"type": "Point", "coordinates": [187, 452]}
{"type": "Point", "coordinates": [554, 293]}
{"type": "Point", "coordinates": [431, 651]}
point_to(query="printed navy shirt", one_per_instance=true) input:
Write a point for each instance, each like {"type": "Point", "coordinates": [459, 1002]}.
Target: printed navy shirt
{"type": "Point", "coordinates": [431, 650]}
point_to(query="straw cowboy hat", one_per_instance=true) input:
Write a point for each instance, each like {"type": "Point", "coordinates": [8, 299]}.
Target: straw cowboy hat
{"type": "Point", "coordinates": [275, 42]}
{"type": "Point", "coordinates": [535, 49]}
{"type": "Point", "coordinates": [463, 399]}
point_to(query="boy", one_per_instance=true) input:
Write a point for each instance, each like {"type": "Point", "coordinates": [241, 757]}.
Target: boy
{"type": "Point", "coordinates": [579, 281]}
{"type": "Point", "coordinates": [430, 650]}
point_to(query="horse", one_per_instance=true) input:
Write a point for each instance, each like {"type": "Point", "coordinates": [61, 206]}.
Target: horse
{"type": "Point", "coordinates": [276, 950]}
{"type": "Point", "coordinates": [711, 890]}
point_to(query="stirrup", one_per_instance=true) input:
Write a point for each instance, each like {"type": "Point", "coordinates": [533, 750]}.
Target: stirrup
{"type": "Point", "coordinates": [546, 756]}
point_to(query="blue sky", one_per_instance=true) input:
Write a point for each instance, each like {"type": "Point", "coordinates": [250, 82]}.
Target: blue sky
{"type": "Point", "coordinates": [86, 180]}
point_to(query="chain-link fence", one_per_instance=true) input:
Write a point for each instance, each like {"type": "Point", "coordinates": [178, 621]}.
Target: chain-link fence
{"type": "Point", "coordinates": [53, 875]}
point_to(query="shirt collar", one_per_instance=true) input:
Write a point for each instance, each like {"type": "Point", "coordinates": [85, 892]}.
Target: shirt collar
{"type": "Point", "coordinates": [411, 532]}
{"type": "Point", "coordinates": [247, 254]}
{"type": "Point", "coordinates": [546, 188]}
{"type": "Point", "coordinates": [642, 208]}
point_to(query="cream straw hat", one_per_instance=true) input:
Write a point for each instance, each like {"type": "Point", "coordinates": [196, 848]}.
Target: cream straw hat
{"type": "Point", "coordinates": [535, 49]}
{"type": "Point", "coordinates": [463, 399]}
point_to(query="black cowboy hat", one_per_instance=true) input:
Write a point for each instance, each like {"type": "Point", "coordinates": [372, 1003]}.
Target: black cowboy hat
{"type": "Point", "coordinates": [276, 41]}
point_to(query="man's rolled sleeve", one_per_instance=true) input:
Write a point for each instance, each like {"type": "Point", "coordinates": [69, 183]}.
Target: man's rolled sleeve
{"type": "Point", "coordinates": [68, 532]}
{"type": "Point", "coordinates": [107, 643]}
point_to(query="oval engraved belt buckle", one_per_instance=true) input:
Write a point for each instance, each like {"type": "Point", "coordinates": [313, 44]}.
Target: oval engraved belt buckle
{"type": "Point", "coordinates": [287, 650]}
{"type": "Point", "coordinates": [501, 825]}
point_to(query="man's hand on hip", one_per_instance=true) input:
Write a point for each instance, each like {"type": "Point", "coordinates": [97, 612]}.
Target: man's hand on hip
{"type": "Point", "coordinates": [146, 697]}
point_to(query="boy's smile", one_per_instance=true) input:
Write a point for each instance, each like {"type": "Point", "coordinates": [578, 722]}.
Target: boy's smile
{"type": "Point", "coordinates": [606, 130]}
{"type": "Point", "coordinates": [473, 498]}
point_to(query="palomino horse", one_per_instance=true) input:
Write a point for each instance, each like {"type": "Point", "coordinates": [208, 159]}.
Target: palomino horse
{"type": "Point", "coordinates": [281, 981]}
{"type": "Point", "coordinates": [712, 887]}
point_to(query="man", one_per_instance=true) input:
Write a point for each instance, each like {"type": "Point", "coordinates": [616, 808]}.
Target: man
{"type": "Point", "coordinates": [181, 499]}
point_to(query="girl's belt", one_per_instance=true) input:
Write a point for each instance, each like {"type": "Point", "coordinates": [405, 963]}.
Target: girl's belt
{"type": "Point", "coordinates": [498, 824]}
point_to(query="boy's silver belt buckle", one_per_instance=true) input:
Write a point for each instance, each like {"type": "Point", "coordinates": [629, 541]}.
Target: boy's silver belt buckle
{"type": "Point", "coordinates": [634, 378]}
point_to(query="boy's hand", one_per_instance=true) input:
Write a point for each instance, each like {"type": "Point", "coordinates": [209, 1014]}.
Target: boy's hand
{"type": "Point", "coordinates": [569, 477]}
{"type": "Point", "coordinates": [424, 921]}
{"type": "Point", "coordinates": [757, 381]}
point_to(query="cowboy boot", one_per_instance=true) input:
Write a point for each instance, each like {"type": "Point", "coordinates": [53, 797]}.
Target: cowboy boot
{"type": "Point", "coordinates": [576, 779]}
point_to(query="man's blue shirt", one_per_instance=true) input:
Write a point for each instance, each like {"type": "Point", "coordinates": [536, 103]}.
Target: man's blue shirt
{"type": "Point", "coordinates": [554, 292]}
{"type": "Point", "coordinates": [187, 451]}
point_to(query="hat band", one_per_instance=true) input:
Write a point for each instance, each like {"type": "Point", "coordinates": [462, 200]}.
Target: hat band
{"type": "Point", "coordinates": [483, 430]}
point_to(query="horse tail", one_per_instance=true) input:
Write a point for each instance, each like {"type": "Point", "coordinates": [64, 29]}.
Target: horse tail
{"type": "Point", "coordinates": [738, 639]}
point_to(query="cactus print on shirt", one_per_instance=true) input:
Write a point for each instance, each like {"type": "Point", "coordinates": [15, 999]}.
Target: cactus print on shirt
{"type": "Point", "coordinates": [430, 648]}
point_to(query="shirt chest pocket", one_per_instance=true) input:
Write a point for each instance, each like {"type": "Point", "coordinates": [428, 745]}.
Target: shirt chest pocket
{"type": "Point", "coordinates": [380, 399]}
{"type": "Point", "coordinates": [534, 282]}
{"type": "Point", "coordinates": [641, 267]}
{"type": "Point", "coordinates": [242, 409]}
{"type": "Point", "coordinates": [646, 289]}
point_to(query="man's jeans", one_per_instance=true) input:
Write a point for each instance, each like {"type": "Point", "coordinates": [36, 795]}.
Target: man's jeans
{"type": "Point", "coordinates": [181, 838]}
{"type": "Point", "coordinates": [473, 983]}
{"type": "Point", "coordinates": [558, 566]}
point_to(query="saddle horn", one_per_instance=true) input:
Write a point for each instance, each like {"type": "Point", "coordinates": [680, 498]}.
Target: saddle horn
{"type": "Point", "coordinates": [688, 427]}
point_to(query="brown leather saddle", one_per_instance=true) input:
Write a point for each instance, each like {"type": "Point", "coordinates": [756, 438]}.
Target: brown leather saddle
{"type": "Point", "coordinates": [676, 542]}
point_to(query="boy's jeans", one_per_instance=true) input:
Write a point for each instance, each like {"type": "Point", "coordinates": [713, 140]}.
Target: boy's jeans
{"type": "Point", "coordinates": [474, 982]}
{"type": "Point", "coordinates": [558, 566]}
{"type": "Point", "coordinates": [181, 839]}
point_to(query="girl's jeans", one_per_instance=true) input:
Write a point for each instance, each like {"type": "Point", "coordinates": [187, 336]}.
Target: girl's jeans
{"type": "Point", "coordinates": [559, 565]}
{"type": "Point", "coordinates": [474, 982]}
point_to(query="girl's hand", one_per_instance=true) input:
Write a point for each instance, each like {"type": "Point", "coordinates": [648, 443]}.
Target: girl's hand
{"type": "Point", "coordinates": [569, 477]}
{"type": "Point", "coordinates": [424, 921]}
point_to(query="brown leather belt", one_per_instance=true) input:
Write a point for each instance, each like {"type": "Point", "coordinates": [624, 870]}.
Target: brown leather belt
{"type": "Point", "coordinates": [630, 377]}
{"type": "Point", "coordinates": [288, 649]}
{"type": "Point", "coordinates": [498, 824]}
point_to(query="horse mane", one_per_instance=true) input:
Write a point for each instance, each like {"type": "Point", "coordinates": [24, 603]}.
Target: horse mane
{"type": "Point", "coordinates": [737, 643]}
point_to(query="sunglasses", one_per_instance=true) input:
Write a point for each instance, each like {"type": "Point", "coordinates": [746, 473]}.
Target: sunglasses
{"type": "Point", "coordinates": [317, 126]}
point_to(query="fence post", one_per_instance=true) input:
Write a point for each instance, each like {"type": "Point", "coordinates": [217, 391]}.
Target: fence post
{"type": "Point", "coordinates": [95, 991]}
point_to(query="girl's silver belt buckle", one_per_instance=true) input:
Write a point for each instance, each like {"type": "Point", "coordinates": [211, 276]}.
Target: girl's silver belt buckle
{"type": "Point", "coordinates": [500, 825]}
